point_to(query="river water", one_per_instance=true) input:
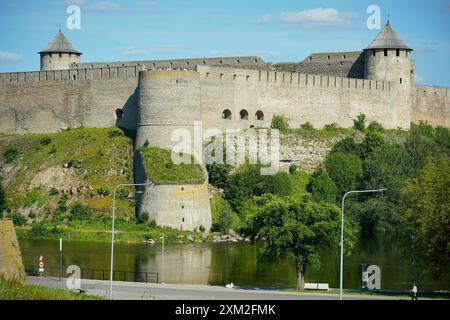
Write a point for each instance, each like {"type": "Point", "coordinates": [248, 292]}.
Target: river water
{"type": "Point", "coordinates": [222, 263]}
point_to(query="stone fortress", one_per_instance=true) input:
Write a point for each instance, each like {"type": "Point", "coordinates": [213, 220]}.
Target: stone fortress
{"type": "Point", "coordinates": [152, 98]}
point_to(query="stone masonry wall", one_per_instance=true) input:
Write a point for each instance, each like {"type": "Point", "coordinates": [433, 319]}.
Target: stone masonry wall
{"type": "Point", "coordinates": [11, 267]}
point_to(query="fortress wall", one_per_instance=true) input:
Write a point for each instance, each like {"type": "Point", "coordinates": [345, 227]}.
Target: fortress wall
{"type": "Point", "coordinates": [431, 104]}
{"type": "Point", "coordinates": [50, 100]}
{"type": "Point", "coordinates": [302, 98]}
{"type": "Point", "coordinates": [177, 63]}
{"type": "Point", "coordinates": [11, 266]}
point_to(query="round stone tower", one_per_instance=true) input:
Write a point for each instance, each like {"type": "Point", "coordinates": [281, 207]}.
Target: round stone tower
{"type": "Point", "coordinates": [59, 54]}
{"type": "Point", "coordinates": [161, 111]}
{"type": "Point", "coordinates": [389, 58]}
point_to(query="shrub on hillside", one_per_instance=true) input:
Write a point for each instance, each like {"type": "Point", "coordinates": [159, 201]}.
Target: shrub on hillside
{"type": "Point", "coordinates": [46, 141]}
{"type": "Point", "coordinates": [10, 154]}
{"type": "Point", "coordinates": [360, 122]}
{"type": "Point", "coordinates": [80, 212]}
{"type": "Point", "coordinates": [347, 146]}
{"type": "Point", "coordinates": [280, 122]}
{"type": "Point", "coordinates": [375, 127]}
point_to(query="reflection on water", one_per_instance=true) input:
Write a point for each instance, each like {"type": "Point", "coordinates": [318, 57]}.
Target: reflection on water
{"type": "Point", "coordinates": [221, 263]}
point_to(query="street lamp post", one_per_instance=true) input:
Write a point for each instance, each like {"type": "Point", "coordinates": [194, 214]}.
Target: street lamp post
{"type": "Point", "coordinates": [341, 273]}
{"type": "Point", "coordinates": [111, 276]}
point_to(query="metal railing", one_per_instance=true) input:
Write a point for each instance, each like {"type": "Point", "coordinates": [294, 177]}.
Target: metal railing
{"type": "Point", "coordinates": [100, 274]}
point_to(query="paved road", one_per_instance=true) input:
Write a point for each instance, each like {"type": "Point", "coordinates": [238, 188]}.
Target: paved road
{"type": "Point", "coordinates": [151, 291]}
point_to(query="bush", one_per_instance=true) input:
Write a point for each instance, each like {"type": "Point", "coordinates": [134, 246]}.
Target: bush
{"type": "Point", "coordinates": [115, 133]}
{"type": "Point", "coordinates": [360, 122]}
{"type": "Point", "coordinates": [18, 219]}
{"type": "Point", "coordinates": [46, 141]}
{"type": "Point", "coordinates": [280, 122]}
{"type": "Point", "coordinates": [292, 168]}
{"type": "Point", "coordinates": [375, 127]}
{"type": "Point", "coordinates": [38, 229]}
{"type": "Point", "coordinates": [62, 203]}
{"type": "Point", "coordinates": [80, 212]}
{"type": "Point", "coordinates": [10, 154]}
{"type": "Point", "coordinates": [152, 223]}
{"type": "Point", "coordinates": [104, 192]}
{"type": "Point", "coordinates": [52, 150]}
{"type": "Point", "coordinates": [143, 218]}
{"type": "Point", "coordinates": [53, 192]}
{"type": "Point", "coordinates": [202, 229]}
{"type": "Point", "coordinates": [307, 126]}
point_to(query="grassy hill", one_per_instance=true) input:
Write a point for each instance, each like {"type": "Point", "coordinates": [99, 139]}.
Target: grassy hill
{"type": "Point", "coordinates": [44, 173]}
{"type": "Point", "coordinates": [161, 169]}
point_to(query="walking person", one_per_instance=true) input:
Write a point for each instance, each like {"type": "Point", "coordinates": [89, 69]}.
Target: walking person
{"type": "Point", "coordinates": [414, 292]}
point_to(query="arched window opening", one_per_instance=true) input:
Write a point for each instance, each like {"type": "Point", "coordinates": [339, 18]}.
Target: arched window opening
{"type": "Point", "coordinates": [226, 114]}
{"type": "Point", "coordinates": [243, 114]}
{"type": "Point", "coordinates": [259, 115]}
{"type": "Point", "coordinates": [119, 113]}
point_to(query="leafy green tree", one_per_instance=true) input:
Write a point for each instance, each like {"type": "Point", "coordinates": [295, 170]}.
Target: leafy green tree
{"type": "Point", "coordinates": [223, 217]}
{"type": "Point", "coordinates": [218, 174]}
{"type": "Point", "coordinates": [247, 182]}
{"type": "Point", "coordinates": [280, 122]}
{"type": "Point", "coordinates": [426, 220]}
{"type": "Point", "coordinates": [387, 166]}
{"type": "Point", "coordinates": [360, 122]}
{"type": "Point", "coordinates": [345, 170]}
{"type": "Point", "coordinates": [347, 146]}
{"type": "Point", "coordinates": [296, 228]}
{"type": "Point", "coordinates": [322, 187]}
{"type": "Point", "coordinates": [424, 141]}
{"type": "Point", "coordinates": [371, 141]}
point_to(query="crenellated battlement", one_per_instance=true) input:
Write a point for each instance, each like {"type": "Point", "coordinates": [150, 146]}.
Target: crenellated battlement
{"type": "Point", "coordinates": [289, 79]}
{"type": "Point", "coordinates": [71, 75]}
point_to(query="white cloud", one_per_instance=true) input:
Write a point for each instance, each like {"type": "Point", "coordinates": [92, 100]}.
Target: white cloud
{"type": "Point", "coordinates": [265, 18]}
{"type": "Point", "coordinates": [419, 79]}
{"type": "Point", "coordinates": [75, 2]}
{"type": "Point", "coordinates": [9, 56]}
{"type": "Point", "coordinates": [132, 51]}
{"type": "Point", "coordinates": [320, 17]}
{"type": "Point", "coordinates": [105, 6]}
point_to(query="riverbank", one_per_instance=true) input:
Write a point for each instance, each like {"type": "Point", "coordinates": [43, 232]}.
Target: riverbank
{"type": "Point", "coordinates": [125, 231]}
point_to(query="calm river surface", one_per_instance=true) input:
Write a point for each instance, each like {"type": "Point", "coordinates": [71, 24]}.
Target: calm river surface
{"type": "Point", "coordinates": [221, 263]}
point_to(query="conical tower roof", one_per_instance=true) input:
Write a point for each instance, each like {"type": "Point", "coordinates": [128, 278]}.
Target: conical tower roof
{"type": "Point", "coordinates": [388, 39]}
{"type": "Point", "coordinates": [60, 44]}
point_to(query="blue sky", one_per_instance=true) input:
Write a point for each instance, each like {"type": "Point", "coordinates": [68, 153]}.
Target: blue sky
{"type": "Point", "coordinates": [282, 30]}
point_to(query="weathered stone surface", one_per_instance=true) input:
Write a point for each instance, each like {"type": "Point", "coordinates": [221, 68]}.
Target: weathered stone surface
{"type": "Point", "coordinates": [11, 267]}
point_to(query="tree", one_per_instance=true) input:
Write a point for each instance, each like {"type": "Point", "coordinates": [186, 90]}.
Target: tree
{"type": "Point", "coordinates": [296, 228]}
{"type": "Point", "coordinates": [247, 182]}
{"type": "Point", "coordinates": [371, 141]}
{"type": "Point", "coordinates": [360, 122]}
{"type": "Point", "coordinates": [345, 170]}
{"type": "Point", "coordinates": [223, 217]}
{"type": "Point", "coordinates": [387, 166]}
{"type": "Point", "coordinates": [347, 146]}
{"type": "Point", "coordinates": [426, 204]}
{"type": "Point", "coordinates": [322, 187]}
{"type": "Point", "coordinates": [218, 174]}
